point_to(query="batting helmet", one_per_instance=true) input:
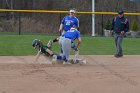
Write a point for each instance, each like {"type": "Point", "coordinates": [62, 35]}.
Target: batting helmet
{"type": "Point", "coordinates": [36, 42]}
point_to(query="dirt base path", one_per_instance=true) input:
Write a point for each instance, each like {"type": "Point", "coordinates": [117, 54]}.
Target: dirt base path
{"type": "Point", "coordinates": [101, 74]}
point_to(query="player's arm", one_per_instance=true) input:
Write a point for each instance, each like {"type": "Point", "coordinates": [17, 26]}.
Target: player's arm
{"type": "Point", "coordinates": [79, 39]}
{"type": "Point", "coordinates": [126, 27]}
{"type": "Point", "coordinates": [37, 56]}
{"type": "Point", "coordinates": [61, 27]}
{"type": "Point", "coordinates": [77, 24]}
{"type": "Point", "coordinates": [79, 42]}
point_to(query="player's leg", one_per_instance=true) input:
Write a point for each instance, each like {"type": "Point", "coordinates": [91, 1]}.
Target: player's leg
{"type": "Point", "coordinates": [118, 42]}
{"type": "Point", "coordinates": [76, 51]}
{"type": "Point", "coordinates": [116, 39]}
{"type": "Point", "coordinates": [66, 46]}
{"type": "Point", "coordinates": [119, 46]}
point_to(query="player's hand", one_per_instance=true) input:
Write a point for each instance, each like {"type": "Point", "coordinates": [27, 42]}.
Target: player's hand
{"type": "Point", "coordinates": [122, 33]}
{"type": "Point", "coordinates": [60, 30]}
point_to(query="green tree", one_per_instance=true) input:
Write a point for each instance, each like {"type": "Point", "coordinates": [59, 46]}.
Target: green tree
{"type": "Point", "coordinates": [134, 26]}
{"type": "Point", "coordinates": [107, 25]}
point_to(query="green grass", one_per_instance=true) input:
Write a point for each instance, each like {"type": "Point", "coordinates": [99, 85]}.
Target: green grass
{"type": "Point", "coordinates": [21, 45]}
{"type": "Point", "coordinates": [27, 33]}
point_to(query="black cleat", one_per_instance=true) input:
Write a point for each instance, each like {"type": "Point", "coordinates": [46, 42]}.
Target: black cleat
{"type": "Point", "coordinates": [117, 56]}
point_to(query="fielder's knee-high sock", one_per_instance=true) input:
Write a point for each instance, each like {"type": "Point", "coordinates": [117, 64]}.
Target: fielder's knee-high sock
{"type": "Point", "coordinates": [61, 58]}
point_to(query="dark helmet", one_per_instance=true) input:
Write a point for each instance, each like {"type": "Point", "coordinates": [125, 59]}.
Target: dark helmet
{"type": "Point", "coordinates": [36, 42]}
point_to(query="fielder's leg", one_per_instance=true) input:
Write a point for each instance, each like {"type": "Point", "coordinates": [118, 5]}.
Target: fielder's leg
{"type": "Point", "coordinates": [66, 46]}
{"type": "Point", "coordinates": [76, 51]}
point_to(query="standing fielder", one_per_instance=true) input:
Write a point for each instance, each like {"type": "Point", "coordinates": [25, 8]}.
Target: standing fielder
{"type": "Point", "coordinates": [69, 21]}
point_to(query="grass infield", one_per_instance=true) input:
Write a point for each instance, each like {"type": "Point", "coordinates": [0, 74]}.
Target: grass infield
{"type": "Point", "coordinates": [15, 45]}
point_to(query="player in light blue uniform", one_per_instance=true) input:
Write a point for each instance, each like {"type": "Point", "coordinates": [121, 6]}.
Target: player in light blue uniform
{"type": "Point", "coordinates": [65, 41]}
{"type": "Point", "coordinates": [69, 21]}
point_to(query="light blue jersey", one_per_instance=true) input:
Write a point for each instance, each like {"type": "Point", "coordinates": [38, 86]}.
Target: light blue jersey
{"type": "Point", "coordinates": [69, 22]}
{"type": "Point", "coordinates": [72, 34]}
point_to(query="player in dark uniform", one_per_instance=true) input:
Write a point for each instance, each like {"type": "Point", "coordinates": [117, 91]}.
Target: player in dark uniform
{"type": "Point", "coordinates": [41, 49]}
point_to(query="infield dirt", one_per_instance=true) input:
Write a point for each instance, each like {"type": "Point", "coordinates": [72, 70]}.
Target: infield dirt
{"type": "Point", "coordinates": [101, 74]}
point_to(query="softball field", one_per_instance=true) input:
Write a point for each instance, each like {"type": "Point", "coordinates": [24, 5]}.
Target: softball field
{"type": "Point", "coordinates": [101, 74]}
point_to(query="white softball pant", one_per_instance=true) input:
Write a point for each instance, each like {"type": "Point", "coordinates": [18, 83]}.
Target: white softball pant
{"type": "Point", "coordinates": [66, 46]}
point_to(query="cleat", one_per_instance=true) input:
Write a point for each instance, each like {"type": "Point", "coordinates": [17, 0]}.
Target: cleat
{"type": "Point", "coordinates": [54, 58]}
{"type": "Point", "coordinates": [84, 62]}
{"type": "Point", "coordinates": [66, 63]}
{"type": "Point", "coordinates": [117, 56]}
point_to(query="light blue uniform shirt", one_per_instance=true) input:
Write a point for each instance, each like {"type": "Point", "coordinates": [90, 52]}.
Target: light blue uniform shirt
{"type": "Point", "coordinates": [72, 34]}
{"type": "Point", "coordinates": [69, 22]}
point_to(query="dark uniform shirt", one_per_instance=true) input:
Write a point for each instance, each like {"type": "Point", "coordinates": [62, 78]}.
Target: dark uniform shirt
{"type": "Point", "coordinates": [43, 50]}
{"type": "Point", "coordinates": [120, 24]}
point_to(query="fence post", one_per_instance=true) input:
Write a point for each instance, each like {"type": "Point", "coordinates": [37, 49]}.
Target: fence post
{"type": "Point", "coordinates": [102, 33]}
{"type": "Point", "coordinates": [19, 25]}
{"type": "Point", "coordinates": [60, 22]}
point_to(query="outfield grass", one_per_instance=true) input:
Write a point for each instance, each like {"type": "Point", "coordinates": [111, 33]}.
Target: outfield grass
{"type": "Point", "coordinates": [21, 45]}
